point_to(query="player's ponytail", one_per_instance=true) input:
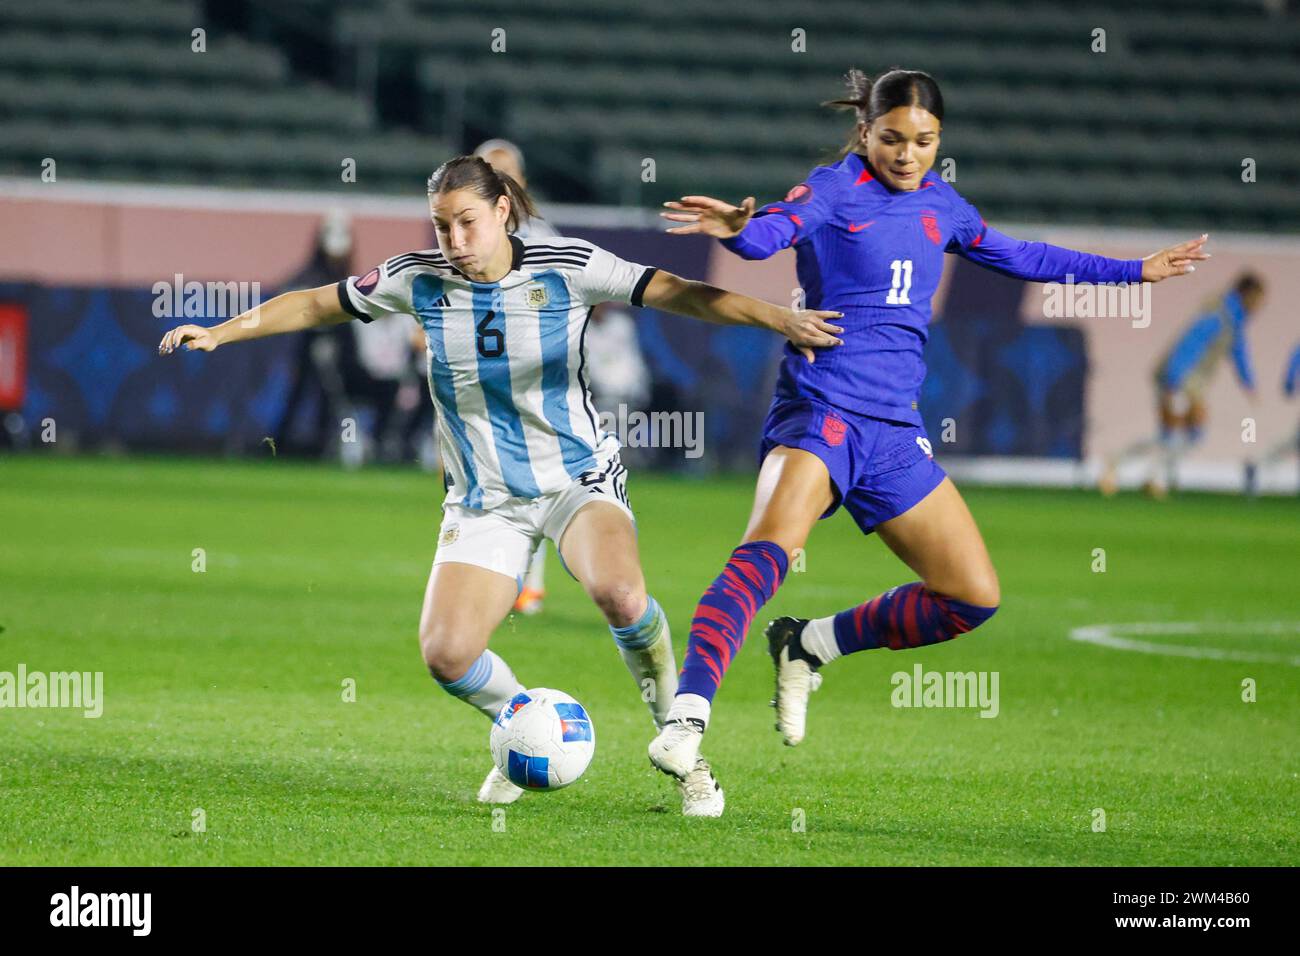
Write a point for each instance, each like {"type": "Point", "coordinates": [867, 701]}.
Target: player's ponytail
{"type": "Point", "coordinates": [871, 100]}
{"type": "Point", "coordinates": [477, 174]}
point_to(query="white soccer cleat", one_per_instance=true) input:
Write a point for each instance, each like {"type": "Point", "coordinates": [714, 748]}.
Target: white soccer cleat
{"type": "Point", "coordinates": [796, 679]}
{"type": "Point", "coordinates": [676, 750]}
{"type": "Point", "coordinates": [497, 788]}
{"type": "Point", "coordinates": [701, 794]}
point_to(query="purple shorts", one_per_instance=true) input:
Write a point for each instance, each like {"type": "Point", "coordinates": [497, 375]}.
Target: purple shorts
{"type": "Point", "coordinates": [878, 468]}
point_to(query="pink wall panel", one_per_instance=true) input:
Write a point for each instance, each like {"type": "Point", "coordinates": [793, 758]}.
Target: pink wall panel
{"type": "Point", "coordinates": [85, 243]}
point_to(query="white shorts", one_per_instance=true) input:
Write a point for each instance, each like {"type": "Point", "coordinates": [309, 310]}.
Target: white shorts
{"type": "Point", "coordinates": [503, 539]}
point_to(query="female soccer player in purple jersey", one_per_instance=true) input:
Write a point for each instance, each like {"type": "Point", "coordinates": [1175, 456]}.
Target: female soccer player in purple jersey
{"type": "Point", "coordinates": [505, 321]}
{"type": "Point", "coordinates": [870, 233]}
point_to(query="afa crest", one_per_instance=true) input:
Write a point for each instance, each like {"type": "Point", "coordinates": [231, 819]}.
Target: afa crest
{"type": "Point", "coordinates": [538, 297]}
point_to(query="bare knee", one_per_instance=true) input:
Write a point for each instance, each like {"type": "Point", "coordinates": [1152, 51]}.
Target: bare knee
{"type": "Point", "coordinates": [988, 593]}
{"type": "Point", "coordinates": [622, 602]}
{"type": "Point", "coordinates": [981, 589]}
{"type": "Point", "coordinates": [446, 654]}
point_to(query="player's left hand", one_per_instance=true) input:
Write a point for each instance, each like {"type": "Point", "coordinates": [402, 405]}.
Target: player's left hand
{"type": "Point", "coordinates": [1174, 261]}
{"type": "Point", "coordinates": [808, 329]}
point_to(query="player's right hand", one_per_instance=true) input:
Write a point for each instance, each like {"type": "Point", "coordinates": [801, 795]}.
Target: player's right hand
{"type": "Point", "coordinates": [709, 217]}
{"type": "Point", "coordinates": [191, 336]}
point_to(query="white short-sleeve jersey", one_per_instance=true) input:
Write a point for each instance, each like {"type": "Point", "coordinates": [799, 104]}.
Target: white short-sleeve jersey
{"type": "Point", "coordinates": [507, 360]}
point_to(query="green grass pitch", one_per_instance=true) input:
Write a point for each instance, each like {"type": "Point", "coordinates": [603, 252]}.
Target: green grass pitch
{"type": "Point", "coordinates": [224, 689]}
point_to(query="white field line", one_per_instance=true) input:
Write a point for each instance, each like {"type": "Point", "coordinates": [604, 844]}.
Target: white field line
{"type": "Point", "coordinates": [1113, 635]}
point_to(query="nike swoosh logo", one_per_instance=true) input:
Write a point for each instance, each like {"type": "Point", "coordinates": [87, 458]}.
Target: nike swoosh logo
{"type": "Point", "coordinates": [853, 228]}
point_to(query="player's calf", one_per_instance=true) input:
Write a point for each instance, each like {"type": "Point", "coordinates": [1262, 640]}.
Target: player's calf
{"type": "Point", "coordinates": [904, 617]}
{"type": "Point", "coordinates": [910, 615]}
{"type": "Point", "coordinates": [485, 682]}
{"type": "Point", "coordinates": [646, 647]}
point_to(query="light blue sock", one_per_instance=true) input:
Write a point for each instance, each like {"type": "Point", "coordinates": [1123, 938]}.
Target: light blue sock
{"type": "Point", "coordinates": [487, 685]}
{"type": "Point", "coordinates": [641, 633]}
{"type": "Point", "coordinates": [647, 649]}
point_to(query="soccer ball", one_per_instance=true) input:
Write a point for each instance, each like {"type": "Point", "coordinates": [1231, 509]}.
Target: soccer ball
{"type": "Point", "coordinates": [542, 739]}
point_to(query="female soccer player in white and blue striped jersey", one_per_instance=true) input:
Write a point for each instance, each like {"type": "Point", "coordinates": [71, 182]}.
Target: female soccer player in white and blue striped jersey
{"type": "Point", "coordinates": [525, 458]}
{"type": "Point", "coordinates": [505, 156]}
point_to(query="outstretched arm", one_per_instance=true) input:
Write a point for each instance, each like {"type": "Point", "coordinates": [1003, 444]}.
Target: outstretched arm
{"type": "Point", "coordinates": [1042, 262]}
{"type": "Point", "coordinates": [806, 330]}
{"type": "Point", "coordinates": [736, 226]}
{"type": "Point", "coordinates": [758, 233]}
{"type": "Point", "coordinates": [290, 312]}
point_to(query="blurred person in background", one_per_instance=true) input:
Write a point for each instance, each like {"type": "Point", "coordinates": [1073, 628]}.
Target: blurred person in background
{"type": "Point", "coordinates": [619, 375]}
{"type": "Point", "coordinates": [317, 375]}
{"type": "Point", "coordinates": [1183, 376]}
{"type": "Point", "coordinates": [1287, 445]}
{"type": "Point", "coordinates": [415, 408]}
{"type": "Point", "coordinates": [344, 369]}
{"type": "Point", "coordinates": [505, 157]}
{"type": "Point", "coordinates": [378, 371]}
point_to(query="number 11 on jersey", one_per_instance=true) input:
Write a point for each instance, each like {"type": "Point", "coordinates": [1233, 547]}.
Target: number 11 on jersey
{"type": "Point", "coordinates": [901, 284]}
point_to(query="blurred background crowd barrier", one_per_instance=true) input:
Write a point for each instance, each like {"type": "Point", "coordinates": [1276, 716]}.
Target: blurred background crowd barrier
{"type": "Point", "coordinates": [151, 144]}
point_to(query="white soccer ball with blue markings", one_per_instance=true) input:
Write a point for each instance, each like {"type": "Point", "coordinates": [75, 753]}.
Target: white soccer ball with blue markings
{"type": "Point", "coordinates": [543, 739]}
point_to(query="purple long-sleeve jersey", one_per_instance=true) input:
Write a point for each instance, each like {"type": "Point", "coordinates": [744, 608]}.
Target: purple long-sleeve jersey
{"type": "Point", "coordinates": [876, 254]}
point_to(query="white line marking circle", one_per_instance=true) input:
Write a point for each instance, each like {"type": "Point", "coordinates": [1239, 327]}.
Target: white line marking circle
{"type": "Point", "coordinates": [1113, 635]}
